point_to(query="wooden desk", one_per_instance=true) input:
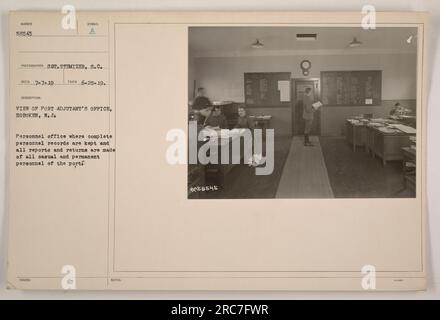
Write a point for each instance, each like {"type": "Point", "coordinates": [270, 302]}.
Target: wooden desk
{"type": "Point", "coordinates": [388, 145]}
{"type": "Point", "coordinates": [216, 173]}
{"type": "Point", "coordinates": [369, 142]}
{"type": "Point", "coordinates": [261, 121]}
{"type": "Point", "coordinates": [406, 119]}
{"type": "Point", "coordinates": [409, 167]}
{"type": "Point", "coordinates": [356, 134]}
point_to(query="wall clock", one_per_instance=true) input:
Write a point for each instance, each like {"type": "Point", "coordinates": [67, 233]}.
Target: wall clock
{"type": "Point", "coordinates": [305, 66]}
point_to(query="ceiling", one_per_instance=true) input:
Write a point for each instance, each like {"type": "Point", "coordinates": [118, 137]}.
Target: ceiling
{"type": "Point", "coordinates": [236, 41]}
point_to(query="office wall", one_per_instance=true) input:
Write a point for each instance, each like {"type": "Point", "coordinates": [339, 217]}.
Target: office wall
{"type": "Point", "coordinates": [223, 79]}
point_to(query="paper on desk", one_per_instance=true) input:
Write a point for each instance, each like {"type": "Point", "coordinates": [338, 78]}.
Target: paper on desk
{"type": "Point", "coordinates": [284, 88]}
{"type": "Point", "coordinates": [263, 117]}
{"type": "Point", "coordinates": [404, 128]}
{"type": "Point", "coordinates": [387, 130]}
{"type": "Point", "coordinates": [236, 131]}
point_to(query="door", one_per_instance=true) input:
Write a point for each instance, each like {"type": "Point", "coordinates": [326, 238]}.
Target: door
{"type": "Point", "coordinates": [299, 86]}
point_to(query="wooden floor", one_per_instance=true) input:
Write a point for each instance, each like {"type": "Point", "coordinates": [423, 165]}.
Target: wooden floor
{"type": "Point", "coordinates": [304, 174]}
{"type": "Point", "coordinates": [358, 175]}
{"type": "Point", "coordinates": [242, 183]}
{"type": "Point", "coordinates": [329, 169]}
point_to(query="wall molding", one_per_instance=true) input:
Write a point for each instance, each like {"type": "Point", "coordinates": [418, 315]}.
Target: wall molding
{"type": "Point", "coordinates": [282, 53]}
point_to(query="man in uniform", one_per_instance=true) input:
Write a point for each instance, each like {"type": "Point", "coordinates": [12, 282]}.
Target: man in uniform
{"type": "Point", "coordinates": [308, 111]}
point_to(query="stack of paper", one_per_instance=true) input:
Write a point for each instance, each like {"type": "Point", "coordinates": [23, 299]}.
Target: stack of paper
{"type": "Point", "coordinates": [317, 105]}
{"type": "Point", "coordinates": [404, 128]}
{"type": "Point", "coordinates": [263, 117]}
{"type": "Point", "coordinates": [387, 130]}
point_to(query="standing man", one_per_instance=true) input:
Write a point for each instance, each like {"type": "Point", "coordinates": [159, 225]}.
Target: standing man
{"type": "Point", "coordinates": [201, 101]}
{"type": "Point", "coordinates": [307, 115]}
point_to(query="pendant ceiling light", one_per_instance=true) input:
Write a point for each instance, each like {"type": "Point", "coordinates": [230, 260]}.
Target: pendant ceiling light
{"type": "Point", "coordinates": [257, 44]}
{"type": "Point", "coordinates": [354, 43]}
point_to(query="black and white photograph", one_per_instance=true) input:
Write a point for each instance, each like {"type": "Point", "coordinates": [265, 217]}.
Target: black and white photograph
{"type": "Point", "coordinates": [252, 152]}
{"type": "Point", "coordinates": [302, 112]}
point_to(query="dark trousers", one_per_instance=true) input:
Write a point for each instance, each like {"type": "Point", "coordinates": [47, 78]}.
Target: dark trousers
{"type": "Point", "coordinates": [307, 128]}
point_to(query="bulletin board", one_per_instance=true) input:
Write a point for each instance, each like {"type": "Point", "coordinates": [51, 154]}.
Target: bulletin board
{"type": "Point", "coordinates": [267, 89]}
{"type": "Point", "coordinates": [351, 88]}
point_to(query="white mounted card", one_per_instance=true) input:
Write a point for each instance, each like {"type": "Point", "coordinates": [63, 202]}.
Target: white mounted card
{"type": "Point", "coordinates": [113, 184]}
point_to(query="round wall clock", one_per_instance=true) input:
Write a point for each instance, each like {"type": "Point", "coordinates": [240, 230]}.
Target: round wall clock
{"type": "Point", "coordinates": [305, 66]}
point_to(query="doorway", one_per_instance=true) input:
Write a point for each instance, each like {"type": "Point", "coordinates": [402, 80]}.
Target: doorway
{"type": "Point", "coordinates": [298, 87]}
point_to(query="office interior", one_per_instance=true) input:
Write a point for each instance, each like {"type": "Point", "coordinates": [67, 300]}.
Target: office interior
{"type": "Point", "coordinates": [362, 139]}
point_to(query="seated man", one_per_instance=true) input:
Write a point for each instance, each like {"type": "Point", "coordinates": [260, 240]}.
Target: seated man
{"type": "Point", "coordinates": [216, 119]}
{"type": "Point", "coordinates": [398, 110]}
{"type": "Point", "coordinates": [201, 101]}
{"type": "Point", "coordinates": [201, 106]}
{"type": "Point", "coordinates": [243, 120]}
